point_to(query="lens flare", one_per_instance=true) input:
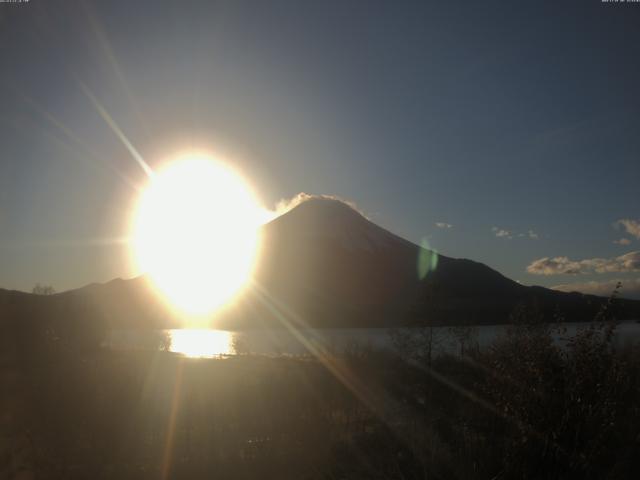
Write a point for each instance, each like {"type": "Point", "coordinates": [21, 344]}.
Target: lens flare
{"type": "Point", "coordinates": [195, 233]}
{"type": "Point", "coordinates": [427, 260]}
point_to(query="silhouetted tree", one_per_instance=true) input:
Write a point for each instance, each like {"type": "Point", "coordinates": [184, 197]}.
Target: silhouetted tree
{"type": "Point", "coordinates": [39, 289]}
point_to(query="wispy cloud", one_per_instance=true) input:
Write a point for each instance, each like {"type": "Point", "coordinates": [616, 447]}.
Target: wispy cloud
{"type": "Point", "coordinates": [630, 288]}
{"type": "Point", "coordinates": [554, 266]}
{"type": "Point", "coordinates": [502, 233]}
{"type": "Point", "coordinates": [443, 225]}
{"type": "Point", "coordinates": [632, 227]}
{"type": "Point", "coordinates": [509, 234]}
{"type": "Point", "coordinates": [622, 241]}
{"type": "Point", "coordinates": [629, 262]}
{"type": "Point", "coordinates": [285, 204]}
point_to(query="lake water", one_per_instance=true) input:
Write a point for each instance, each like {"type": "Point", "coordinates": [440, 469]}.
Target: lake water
{"type": "Point", "coordinates": [216, 343]}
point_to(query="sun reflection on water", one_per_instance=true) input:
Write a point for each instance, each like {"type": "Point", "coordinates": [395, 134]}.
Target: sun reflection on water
{"type": "Point", "coordinates": [201, 343]}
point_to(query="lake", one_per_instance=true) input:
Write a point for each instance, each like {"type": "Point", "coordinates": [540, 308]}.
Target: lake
{"type": "Point", "coordinates": [220, 343]}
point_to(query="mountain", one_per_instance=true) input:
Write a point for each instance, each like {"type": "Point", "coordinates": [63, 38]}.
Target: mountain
{"type": "Point", "coordinates": [334, 267]}
{"type": "Point", "coordinates": [323, 264]}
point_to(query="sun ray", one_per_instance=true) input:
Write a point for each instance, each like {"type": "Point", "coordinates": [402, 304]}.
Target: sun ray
{"type": "Point", "coordinates": [116, 129]}
{"type": "Point", "coordinates": [97, 158]}
{"type": "Point", "coordinates": [105, 45]}
{"type": "Point", "coordinates": [167, 455]}
{"type": "Point", "coordinates": [338, 369]}
{"type": "Point", "coordinates": [377, 404]}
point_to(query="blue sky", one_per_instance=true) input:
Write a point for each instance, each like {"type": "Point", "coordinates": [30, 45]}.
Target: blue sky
{"type": "Point", "coordinates": [493, 117]}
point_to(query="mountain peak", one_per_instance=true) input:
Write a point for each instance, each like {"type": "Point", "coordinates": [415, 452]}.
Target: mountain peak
{"type": "Point", "coordinates": [324, 205]}
{"type": "Point", "coordinates": [330, 218]}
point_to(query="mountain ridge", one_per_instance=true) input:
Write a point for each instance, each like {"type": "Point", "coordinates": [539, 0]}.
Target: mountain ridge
{"type": "Point", "coordinates": [323, 264]}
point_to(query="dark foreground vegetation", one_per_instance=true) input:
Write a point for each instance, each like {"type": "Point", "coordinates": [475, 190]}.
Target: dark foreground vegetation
{"type": "Point", "coordinates": [526, 407]}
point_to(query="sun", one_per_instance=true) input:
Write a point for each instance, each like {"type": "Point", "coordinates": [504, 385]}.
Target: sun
{"type": "Point", "coordinates": [195, 233]}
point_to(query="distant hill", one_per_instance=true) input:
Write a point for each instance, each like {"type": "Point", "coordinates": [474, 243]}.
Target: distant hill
{"type": "Point", "coordinates": [323, 264]}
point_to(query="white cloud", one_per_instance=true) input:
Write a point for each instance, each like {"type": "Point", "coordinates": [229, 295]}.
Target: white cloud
{"type": "Point", "coordinates": [508, 234]}
{"type": "Point", "coordinates": [631, 226]}
{"type": "Point", "coordinates": [622, 241]}
{"type": "Point", "coordinates": [502, 233]}
{"type": "Point", "coordinates": [285, 204]}
{"type": "Point", "coordinates": [629, 262]}
{"type": "Point", "coordinates": [443, 225]}
{"type": "Point", "coordinates": [630, 288]}
{"type": "Point", "coordinates": [553, 266]}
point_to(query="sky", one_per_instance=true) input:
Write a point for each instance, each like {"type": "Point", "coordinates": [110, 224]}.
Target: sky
{"type": "Point", "coordinates": [504, 132]}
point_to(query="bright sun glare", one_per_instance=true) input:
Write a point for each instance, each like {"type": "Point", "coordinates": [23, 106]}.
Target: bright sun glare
{"type": "Point", "coordinates": [201, 343]}
{"type": "Point", "coordinates": [196, 233]}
